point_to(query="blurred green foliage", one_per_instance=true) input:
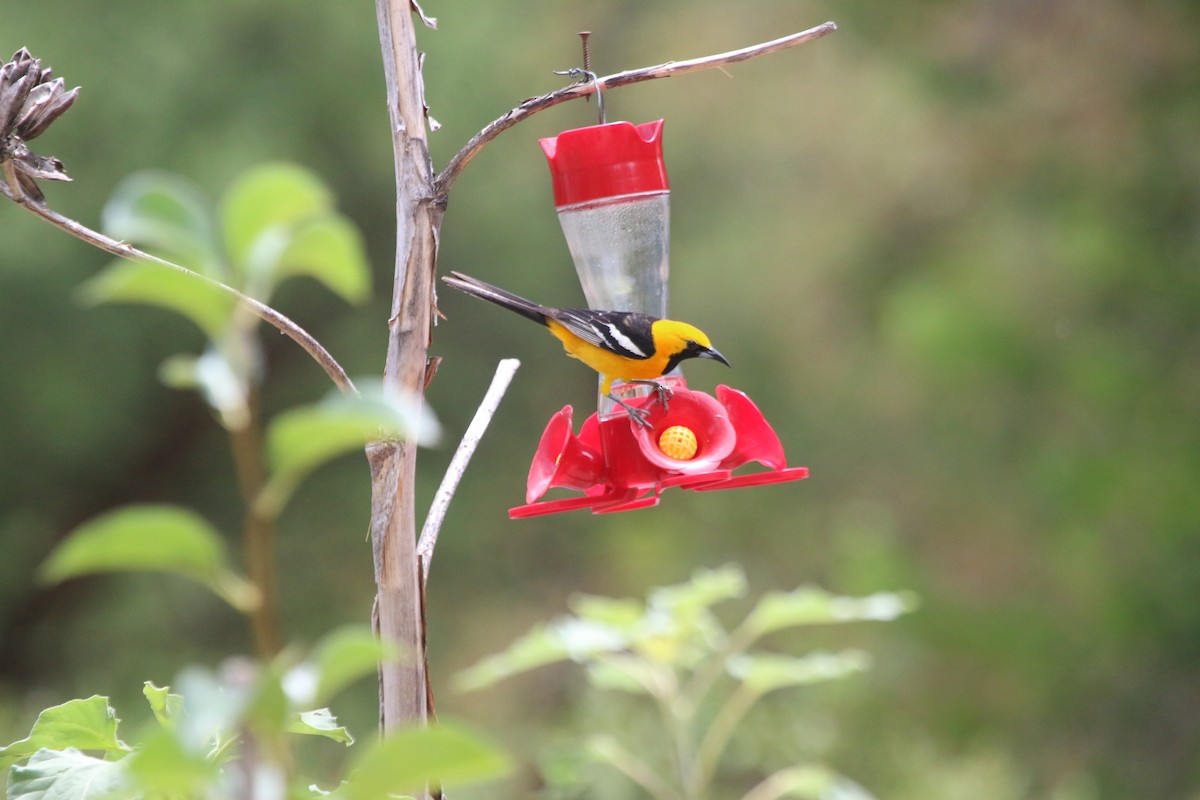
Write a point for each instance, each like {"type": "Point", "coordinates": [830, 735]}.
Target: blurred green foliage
{"type": "Point", "coordinates": [227, 730]}
{"type": "Point", "coordinates": [951, 251]}
{"type": "Point", "coordinates": [674, 657]}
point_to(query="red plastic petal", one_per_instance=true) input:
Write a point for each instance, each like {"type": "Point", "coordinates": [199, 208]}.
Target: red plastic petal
{"type": "Point", "coordinates": [551, 507]}
{"type": "Point", "coordinates": [754, 479]}
{"type": "Point", "coordinates": [649, 501]}
{"type": "Point", "coordinates": [589, 434]}
{"type": "Point", "coordinates": [620, 467]}
{"type": "Point", "coordinates": [612, 500]}
{"type": "Point", "coordinates": [707, 419]}
{"type": "Point", "coordinates": [622, 454]}
{"type": "Point", "coordinates": [702, 479]}
{"type": "Point", "coordinates": [562, 459]}
{"type": "Point", "coordinates": [756, 439]}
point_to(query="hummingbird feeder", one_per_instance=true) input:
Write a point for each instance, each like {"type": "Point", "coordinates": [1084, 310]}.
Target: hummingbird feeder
{"type": "Point", "coordinates": [612, 199]}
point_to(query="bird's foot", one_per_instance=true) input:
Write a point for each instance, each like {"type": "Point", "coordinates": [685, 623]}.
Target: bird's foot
{"type": "Point", "coordinates": [662, 392]}
{"type": "Point", "coordinates": [639, 416]}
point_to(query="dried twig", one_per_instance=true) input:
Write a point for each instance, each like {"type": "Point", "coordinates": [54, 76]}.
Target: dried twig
{"type": "Point", "coordinates": [124, 250]}
{"type": "Point", "coordinates": [455, 166]}
{"type": "Point", "coordinates": [462, 457]}
{"type": "Point", "coordinates": [402, 690]}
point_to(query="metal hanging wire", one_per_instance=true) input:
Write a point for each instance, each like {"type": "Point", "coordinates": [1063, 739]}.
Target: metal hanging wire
{"type": "Point", "coordinates": [585, 72]}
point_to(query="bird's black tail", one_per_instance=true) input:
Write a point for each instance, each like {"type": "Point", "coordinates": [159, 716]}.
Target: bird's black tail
{"type": "Point", "coordinates": [494, 294]}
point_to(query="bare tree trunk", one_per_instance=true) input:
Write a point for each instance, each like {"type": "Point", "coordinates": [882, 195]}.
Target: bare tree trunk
{"type": "Point", "coordinates": [393, 464]}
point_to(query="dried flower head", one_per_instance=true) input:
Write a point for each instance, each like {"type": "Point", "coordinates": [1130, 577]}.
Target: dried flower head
{"type": "Point", "coordinates": [29, 102]}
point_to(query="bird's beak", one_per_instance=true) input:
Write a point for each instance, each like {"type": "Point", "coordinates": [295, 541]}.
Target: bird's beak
{"type": "Point", "coordinates": [710, 352]}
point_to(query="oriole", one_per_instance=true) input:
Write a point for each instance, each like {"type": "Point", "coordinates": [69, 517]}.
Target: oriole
{"type": "Point", "coordinates": [620, 345]}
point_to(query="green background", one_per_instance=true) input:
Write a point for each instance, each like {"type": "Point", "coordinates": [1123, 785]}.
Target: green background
{"type": "Point", "coordinates": [952, 251]}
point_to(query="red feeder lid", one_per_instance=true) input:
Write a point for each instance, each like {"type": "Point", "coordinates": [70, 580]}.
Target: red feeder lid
{"type": "Point", "coordinates": [601, 161]}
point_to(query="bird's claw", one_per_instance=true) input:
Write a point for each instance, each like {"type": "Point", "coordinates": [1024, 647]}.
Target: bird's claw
{"type": "Point", "coordinates": [639, 416]}
{"type": "Point", "coordinates": [662, 392]}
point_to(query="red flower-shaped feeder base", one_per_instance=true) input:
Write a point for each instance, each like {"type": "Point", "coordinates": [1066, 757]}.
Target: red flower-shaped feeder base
{"type": "Point", "coordinates": [693, 442]}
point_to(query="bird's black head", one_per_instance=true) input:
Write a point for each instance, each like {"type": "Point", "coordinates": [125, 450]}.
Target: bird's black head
{"type": "Point", "coordinates": [694, 349]}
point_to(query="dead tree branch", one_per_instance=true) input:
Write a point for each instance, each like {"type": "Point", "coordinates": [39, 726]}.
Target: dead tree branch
{"type": "Point", "coordinates": [458, 163]}
{"type": "Point", "coordinates": [393, 464]}
{"type": "Point", "coordinates": [124, 250]}
{"type": "Point", "coordinates": [462, 457]}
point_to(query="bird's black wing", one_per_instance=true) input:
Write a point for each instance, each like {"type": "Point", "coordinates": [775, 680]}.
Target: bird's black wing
{"type": "Point", "coordinates": [625, 333]}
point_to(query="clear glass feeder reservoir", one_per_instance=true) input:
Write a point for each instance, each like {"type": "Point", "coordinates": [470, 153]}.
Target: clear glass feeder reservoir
{"type": "Point", "coordinates": [613, 202]}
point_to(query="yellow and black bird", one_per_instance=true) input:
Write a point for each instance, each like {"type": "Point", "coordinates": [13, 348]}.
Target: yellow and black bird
{"type": "Point", "coordinates": [620, 345]}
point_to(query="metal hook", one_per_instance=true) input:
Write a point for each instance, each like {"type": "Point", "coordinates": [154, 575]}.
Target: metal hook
{"type": "Point", "coordinates": [581, 74]}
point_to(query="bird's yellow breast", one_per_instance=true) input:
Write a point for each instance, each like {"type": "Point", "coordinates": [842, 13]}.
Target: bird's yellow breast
{"type": "Point", "coordinates": [609, 364]}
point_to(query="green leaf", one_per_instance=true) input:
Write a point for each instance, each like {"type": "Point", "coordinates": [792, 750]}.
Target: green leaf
{"type": "Point", "coordinates": [164, 766]}
{"type": "Point", "coordinates": [766, 672]}
{"type": "Point", "coordinates": [89, 724]}
{"type": "Point", "coordinates": [679, 627]}
{"type": "Point", "coordinates": [812, 782]}
{"type": "Point", "coordinates": [64, 775]}
{"type": "Point", "coordinates": [410, 759]}
{"type": "Point", "coordinates": [347, 654]}
{"type": "Point", "coordinates": [537, 648]}
{"type": "Point", "coordinates": [319, 722]}
{"type": "Point", "coordinates": [675, 628]}
{"type": "Point", "coordinates": [681, 638]}
{"type": "Point", "coordinates": [582, 639]}
{"type": "Point", "coordinates": [224, 389]}
{"type": "Point", "coordinates": [165, 214]}
{"type": "Point", "coordinates": [206, 305]}
{"type": "Point", "coordinates": [813, 606]}
{"type": "Point", "coordinates": [623, 614]}
{"type": "Point", "coordinates": [150, 538]}
{"type": "Point", "coordinates": [215, 709]}
{"type": "Point", "coordinates": [706, 588]}
{"type": "Point", "coordinates": [331, 250]}
{"type": "Point", "coordinates": [268, 711]}
{"type": "Point", "coordinates": [630, 674]}
{"type": "Point", "coordinates": [567, 638]}
{"type": "Point", "coordinates": [167, 707]}
{"type": "Point", "coordinates": [302, 439]}
{"type": "Point", "coordinates": [260, 207]}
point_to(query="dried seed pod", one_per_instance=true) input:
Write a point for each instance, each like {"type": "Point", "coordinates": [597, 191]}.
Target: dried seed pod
{"type": "Point", "coordinates": [12, 100]}
{"type": "Point", "coordinates": [47, 110]}
{"type": "Point", "coordinates": [29, 101]}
